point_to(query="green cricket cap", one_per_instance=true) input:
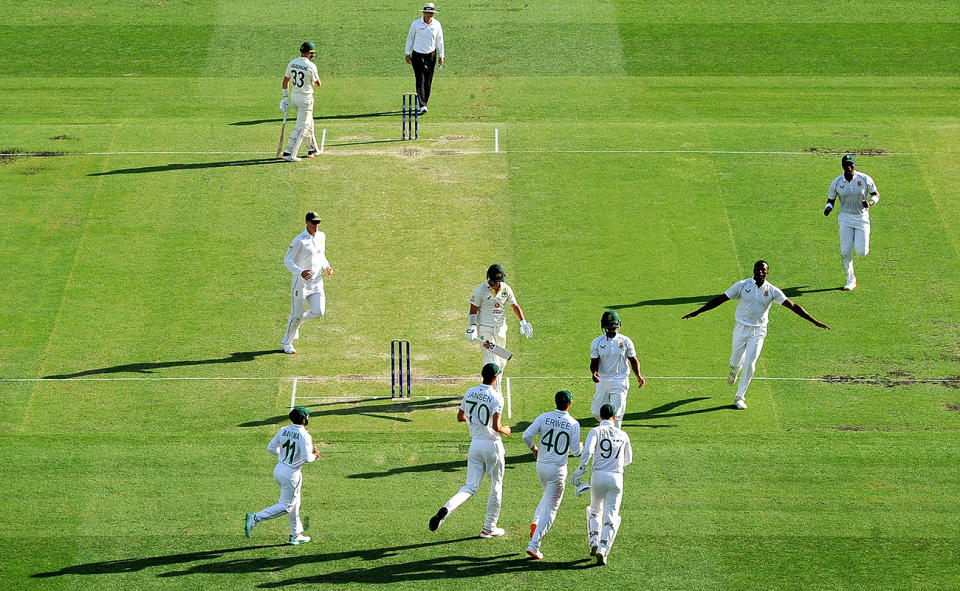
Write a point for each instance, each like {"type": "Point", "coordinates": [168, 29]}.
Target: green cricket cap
{"type": "Point", "coordinates": [298, 414]}
{"type": "Point", "coordinates": [490, 370]}
{"type": "Point", "coordinates": [563, 398]}
{"type": "Point", "coordinates": [848, 159]}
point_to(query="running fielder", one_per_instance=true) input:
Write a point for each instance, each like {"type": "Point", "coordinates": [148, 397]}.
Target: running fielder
{"type": "Point", "coordinates": [857, 193]}
{"type": "Point", "coordinates": [610, 450]}
{"type": "Point", "coordinates": [306, 258]}
{"type": "Point", "coordinates": [293, 447]}
{"type": "Point", "coordinates": [481, 409]}
{"type": "Point", "coordinates": [559, 435]}
{"type": "Point", "coordinates": [487, 319]}
{"type": "Point", "coordinates": [297, 87]}
{"type": "Point", "coordinates": [754, 297]}
{"type": "Point", "coordinates": [610, 353]}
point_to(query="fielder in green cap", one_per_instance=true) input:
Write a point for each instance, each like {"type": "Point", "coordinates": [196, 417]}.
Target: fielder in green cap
{"type": "Point", "coordinates": [481, 409]}
{"type": "Point", "coordinates": [293, 447]}
{"type": "Point", "coordinates": [857, 193]}
{"type": "Point", "coordinates": [487, 318]}
{"type": "Point", "coordinates": [559, 437]}
{"type": "Point", "coordinates": [610, 355]}
{"type": "Point", "coordinates": [299, 80]}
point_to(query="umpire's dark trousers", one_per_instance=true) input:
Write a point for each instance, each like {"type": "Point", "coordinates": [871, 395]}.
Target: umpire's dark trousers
{"type": "Point", "coordinates": [423, 65]}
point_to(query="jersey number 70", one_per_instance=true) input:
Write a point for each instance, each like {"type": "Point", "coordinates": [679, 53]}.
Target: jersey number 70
{"type": "Point", "coordinates": [483, 412]}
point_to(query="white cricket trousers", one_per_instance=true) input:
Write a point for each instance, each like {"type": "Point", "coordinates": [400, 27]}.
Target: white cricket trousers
{"type": "Point", "coordinates": [747, 344]}
{"type": "Point", "coordinates": [496, 335]}
{"type": "Point", "coordinates": [290, 481]}
{"type": "Point", "coordinates": [853, 238]}
{"type": "Point", "coordinates": [484, 457]}
{"type": "Point", "coordinates": [553, 479]}
{"type": "Point", "coordinates": [611, 391]}
{"type": "Point", "coordinates": [298, 308]}
{"type": "Point", "coordinates": [304, 127]}
{"type": "Point", "coordinates": [606, 492]}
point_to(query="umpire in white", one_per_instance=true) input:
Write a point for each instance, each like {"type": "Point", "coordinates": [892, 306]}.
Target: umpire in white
{"type": "Point", "coordinates": [424, 51]}
{"type": "Point", "coordinates": [610, 450]}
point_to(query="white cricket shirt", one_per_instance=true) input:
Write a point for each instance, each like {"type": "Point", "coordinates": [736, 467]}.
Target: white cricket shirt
{"type": "Point", "coordinates": [609, 447]}
{"type": "Point", "coordinates": [302, 74]}
{"type": "Point", "coordinates": [293, 446]}
{"type": "Point", "coordinates": [613, 354]}
{"type": "Point", "coordinates": [851, 195]}
{"type": "Point", "coordinates": [308, 252]}
{"type": "Point", "coordinates": [479, 404]}
{"type": "Point", "coordinates": [753, 303]}
{"type": "Point", "coordinates": [492, 305]}
{"type": "Point", "coordinates": [559, 437]}
{"type": "Point", "coordinates": [424, 38]}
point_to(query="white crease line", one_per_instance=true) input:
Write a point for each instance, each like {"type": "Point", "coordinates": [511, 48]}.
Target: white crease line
{"type": "Point", "coordinates": [293, 394]}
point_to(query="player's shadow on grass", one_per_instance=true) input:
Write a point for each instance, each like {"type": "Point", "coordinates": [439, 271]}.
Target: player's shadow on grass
{"type": "Point", "coordinates": [322, 117]}
{"type": "Point", "coordinates": [790, 292]}
{"type": "Point", "coordinates": [238, 357]}
{"type": "Point", "coordinates": [131, 565]}
{"type": "Point", "coordinates": [380, 410]}
{"type": "Point", "coordinates": [445, 568]}
{"type": "Point", "coordinates": [664, 411]}
{"type": "Point", "coordinates": [190, 166]}
{"type": "Point", "coordinates": [458, 465]}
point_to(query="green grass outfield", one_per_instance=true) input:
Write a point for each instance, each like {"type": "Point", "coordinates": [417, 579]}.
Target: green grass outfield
{"type": "Point", "coordinates": [630, 155]}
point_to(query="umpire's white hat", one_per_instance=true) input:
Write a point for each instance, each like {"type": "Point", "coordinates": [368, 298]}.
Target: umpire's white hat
{"type": "Point", "coordinates": [429, 7]}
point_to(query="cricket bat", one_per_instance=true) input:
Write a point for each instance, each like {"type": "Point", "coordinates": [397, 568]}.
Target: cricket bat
{"type": "Point", "coordinates": [283, 129]}
{"type": "Point", "coordinates": [497, 350]}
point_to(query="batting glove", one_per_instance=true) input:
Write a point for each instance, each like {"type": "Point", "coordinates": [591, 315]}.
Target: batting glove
{"type": "Point", "coordinates": [284, 104]}
{"type": "Point", "coordinates": [526, 328]}
{"type": "Point", "coordinates": [471, 333]}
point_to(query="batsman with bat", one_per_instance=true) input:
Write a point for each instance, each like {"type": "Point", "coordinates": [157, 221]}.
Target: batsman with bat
{"type": "Point", "coordinates": [488, 323]}
{"type": "Point", "coordinates": [298, 82]}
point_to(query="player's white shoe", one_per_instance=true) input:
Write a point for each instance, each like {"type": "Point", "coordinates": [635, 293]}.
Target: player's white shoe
{"type": "Point", "coordinates": [740, 403]}
{"type": "Point", "coordinates": [851, 285]}
{"type": "Point", "coordinates": [601, 559]}
{"type": "Point", "coordinates": [299, 539]}
{"type": "Point", "coordinates": [437, 519]}
{"type": "Point", "coordinates": [732, 377]}
{"type": "Point", "coordinates": [535, 554]}
{"type": "Point", "coordinates": [312, 154]}
{"type": "Point", "coordinates": [288, 349]}
{"type": "Point", "coordinates": [291, 158]}
{"type": "Point", "coordinates": [248, 523]}
{"type": "Point", "coordinates": [494, 532]}
{"type": "Point", "coordinates": [423, 110]}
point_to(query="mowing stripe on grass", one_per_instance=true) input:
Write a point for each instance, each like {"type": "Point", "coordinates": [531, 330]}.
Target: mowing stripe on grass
{"type": "Point", "coordinates": [296, 379]}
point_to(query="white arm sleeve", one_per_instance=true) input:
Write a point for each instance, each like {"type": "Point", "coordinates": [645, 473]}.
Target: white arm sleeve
{"type": "Point", "coordinates": [439, 40]}
{"type": "Point", "coordinates": [410, 36]}
{"type": "Point", "coordinates": [530, 432]}
{"type": "Point", "coordinates": [274, 446]}
{"type": "Point", "coordinates": [289, 260]}
{"type": "Point", "coordinates": [307, 443]}
{"type": "Point", "coordinates": [576, 448]}
{"type": "Point", "coordinates": [627, 451]}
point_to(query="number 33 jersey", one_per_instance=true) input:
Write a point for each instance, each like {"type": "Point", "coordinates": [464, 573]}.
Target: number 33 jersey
{"type": "Point", "coordinates": [302, 74]}
{"type": "Point", "coordinates": [609, 447]}
{"type": "Point", "coordinates": [559, 437]}
{"type": "Point", "coordinates": [292, 445]}
{"type": "Point", "coordinates": [479, 405]}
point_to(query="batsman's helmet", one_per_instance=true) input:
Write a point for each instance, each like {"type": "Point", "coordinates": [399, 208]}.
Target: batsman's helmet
{"type": "Point", "coordinates": [308, 47]}
{"type": "Point", "coordinates": [610, 319]}
{"type": "Point", "coordinates": [495, 273]}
